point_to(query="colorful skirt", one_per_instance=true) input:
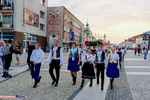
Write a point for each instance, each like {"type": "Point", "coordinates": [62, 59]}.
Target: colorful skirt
{"type": "Point", "coordinates": [73, 64]}
{"type": "Point", "coordinates": [88, 71]}
{"type": "Point", "coordinates": [112, 71]}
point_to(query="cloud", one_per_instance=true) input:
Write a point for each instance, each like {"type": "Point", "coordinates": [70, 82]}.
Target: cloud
{"type": "Point", "coordinates": [115, 18]}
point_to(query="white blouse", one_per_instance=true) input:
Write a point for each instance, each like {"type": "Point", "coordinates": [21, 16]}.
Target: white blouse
{"type": "Point", "coordinates": [90, 57]}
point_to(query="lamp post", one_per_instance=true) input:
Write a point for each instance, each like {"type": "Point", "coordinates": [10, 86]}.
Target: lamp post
{"type": "Point", "coordinates": [54, 15]}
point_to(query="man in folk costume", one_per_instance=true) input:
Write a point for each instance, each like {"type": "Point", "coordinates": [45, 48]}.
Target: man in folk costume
{"type": "Point", "coordinates": [36, 58]}
{"type": "Point", "coordinates": [112, 66]}
{"type": "Point", "coordinates": [56, 60]}
{"type": "Point", "coordinates": [100, 65]}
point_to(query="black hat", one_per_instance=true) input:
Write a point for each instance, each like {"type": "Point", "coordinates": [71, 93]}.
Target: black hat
{"type": "Point", "coordinates": [9, 41]}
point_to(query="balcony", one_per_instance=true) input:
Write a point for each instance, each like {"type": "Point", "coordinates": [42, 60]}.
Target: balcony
{"type": "Point", "coordinates": [6, 9]}
{"type": "Point", "coordinates": [4, 26]}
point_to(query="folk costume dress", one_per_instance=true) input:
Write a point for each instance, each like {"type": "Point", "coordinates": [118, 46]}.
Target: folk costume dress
{"type": "Point", "coordinates": [73, 60]}
{"type": "Point", "coordinates": [112, 63]}
{"type": "Point", "coordinates": [88, 68]}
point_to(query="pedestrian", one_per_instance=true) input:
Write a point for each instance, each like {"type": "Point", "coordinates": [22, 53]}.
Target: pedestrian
{"type": "Point", "coordinates": [135, 51]}
{"type": "Point", "coordinates": [145, 53]}
{"type": "Point", "coordinates": [123, 53]}
{"type": "Point", "coordinates": [120, 57]}
{"type": "Point", "coordinates": [139, 50]}
{"type": "Point", "coordinates": [83, 50]}
{"type": "Point", "coordinates": [74, 61]}
{"type": "Point", "coordinates": [30, 49]}
{"type": "Point", "coordinates": [112, 66]}
{"type": "Point", "coordinates": [17, 52]}
{"type": "Point", "coordinates": [88, 68]}
{"type": "Point", "coordinates": [7, 51]}
{"type": "Point", "coordinates": [100, 65]}
{"type": "Point", "coordinates": [56, 60]}
{"type": "Point", "coordinates": [1, 54]}
{"type": "Point", "coordinates": [36, 58]}
{"type": "Point", "coordinates": [2, 43]}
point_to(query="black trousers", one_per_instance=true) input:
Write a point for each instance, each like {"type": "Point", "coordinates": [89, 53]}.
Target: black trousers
{"type": "Point", "coordinates": [100, 68]}
{"type": "Point", "coordinates": [120, 63]}
{"type": "Point", "coordinates": [30, 64]}
{"type": "Point", "coordinates": [55, 65]}
{"type": "Point", "coordinates": [8, 59]}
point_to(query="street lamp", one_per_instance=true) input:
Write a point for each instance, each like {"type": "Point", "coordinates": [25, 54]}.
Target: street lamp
{"type": "Point", "coordinates": [54, 15]}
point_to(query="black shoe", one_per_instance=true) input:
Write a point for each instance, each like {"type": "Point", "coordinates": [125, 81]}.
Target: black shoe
{"type": "Point", "coordinates": [74, 80]}
{"type": "Point", "coordinates": [7, 75]}
{"type": "Point", "coordinates": [82, 83]}
{"type": "Point", "coordinates": [53, 82]}
{"type": "Point", "coordinates": [97, 82]}
{"type": "Point", "coordinates": [90, 85]}
{"type": "Point", "coordinates": [39, 79]}
{"type": "Point", "coordinates": [91, 82]}
{"type": "Point", "coordinates": [102, 88]}
{"type": "Point", "coordinates": [35, 84]}
{"type": "Point", "coordinates": [4, 74]}
{"type": "Point", "coordinates": [56, 85]}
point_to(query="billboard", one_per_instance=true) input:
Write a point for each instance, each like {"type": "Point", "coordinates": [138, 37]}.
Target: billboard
{"type": "Point", "coordinates": [31, 18]}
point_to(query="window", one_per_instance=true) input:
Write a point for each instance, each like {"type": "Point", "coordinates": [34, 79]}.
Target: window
{"type": "Point", "coordinates": [68, 19]}
{"type": "Point", "coordinates": [8, 19]}
{"type": "Point", "coordinates": [6, 36]}
{"type": "Point", "coordinates": [43, 2]}
{"type": "Point", "coordinates": [65, 28]}
{"type": "Point", "coordinates": [64, 17]}
{"type": "Point", "coordinates": [42, 27]}
{"type": "Point", "coordinates": [68, 40]}
{"type": "Point", "coordinates": [64, 40]}
{"type": "Point", "coordinates": [68, 29]}
{"type": "Point", "coordinates": [42, 14]}
{"type": "Point", "coordinates": [9, 3]}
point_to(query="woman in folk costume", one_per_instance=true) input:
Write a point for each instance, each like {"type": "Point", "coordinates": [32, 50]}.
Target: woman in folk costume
{"type": "Point", "coordinates": [112, 66]}
{"type": "Point", "coordinates": [74, 61]}
{"type": "Point", "coordinates": [88, 68]}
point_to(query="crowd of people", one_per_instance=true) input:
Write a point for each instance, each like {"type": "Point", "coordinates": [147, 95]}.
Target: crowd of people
{"type": "Point", "coordinates": [140, 50]}
{"type": "Point", "coordinates": [98, 58]}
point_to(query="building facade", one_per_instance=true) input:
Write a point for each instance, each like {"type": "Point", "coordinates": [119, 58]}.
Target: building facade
{"type": "Point", "coordinates": [66, 27]}
{"type": "Point", "coordinates": [24, 21]}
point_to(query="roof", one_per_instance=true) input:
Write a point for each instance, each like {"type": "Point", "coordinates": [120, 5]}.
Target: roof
{"type": "Point", "coordinates": [106, 44]}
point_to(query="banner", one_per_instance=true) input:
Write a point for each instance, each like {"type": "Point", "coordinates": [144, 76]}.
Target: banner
{"type": "Point", "coordinates": [72, 36]}
{"type": "Point", "coordinates": [31, 18]}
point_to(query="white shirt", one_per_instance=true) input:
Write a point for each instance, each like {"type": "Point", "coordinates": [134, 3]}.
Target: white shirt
{"type": "Point", "coordinates": [37, 56]}
{"type": "Point", "coordinates": [74, 50]}
{"type": "Point", "coordinates": [99, 57]}
{"type": "Point", "coordinates": [90, 57]}
{"type": "Point", "coordinates": [123, 51]}
{"type": "Point", "coordinates": [61, 58]}
{"type": "Point", "coordinates": [113, 57]}
{"type": "Point", "coordinates": [84, 51]}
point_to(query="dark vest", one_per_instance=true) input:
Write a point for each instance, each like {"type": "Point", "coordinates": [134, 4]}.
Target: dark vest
{"type": "Point", "coordinates": [57, 52]}
{"type": "Point", "coordinates": [102, 57]}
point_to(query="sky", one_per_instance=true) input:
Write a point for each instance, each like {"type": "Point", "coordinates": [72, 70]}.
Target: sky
{"type": "Point", "coordinates": [118, 19]}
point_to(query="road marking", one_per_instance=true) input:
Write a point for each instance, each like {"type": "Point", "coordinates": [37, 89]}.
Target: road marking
{"type": "Point", "coordinates": [138, 73]}
{"type": "Point", "coordinates": [137, 66]}
{"type": "Point", "coordinates": [134, 59]}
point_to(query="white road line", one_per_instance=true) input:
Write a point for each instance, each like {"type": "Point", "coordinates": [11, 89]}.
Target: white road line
{"type": "Point", "coordinates": [138, 73]}
{"type": "Point", "coordinates": [137, 66]}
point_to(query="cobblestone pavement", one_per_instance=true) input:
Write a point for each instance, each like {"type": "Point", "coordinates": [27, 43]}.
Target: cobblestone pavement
{"type": "Point", "coordinates": [134, 80]}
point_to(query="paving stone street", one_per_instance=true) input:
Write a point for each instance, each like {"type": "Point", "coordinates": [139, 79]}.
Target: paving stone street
{"type": "Point", "coordinates": [133, 83]}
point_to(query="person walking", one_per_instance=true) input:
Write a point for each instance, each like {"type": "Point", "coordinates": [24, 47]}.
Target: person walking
{"type": "Point", "coordinates": [139, 50]}
{"type": "Point", "coordinates": [120, 57]}
{"type": "Point", "coordinates": [100, 65]}
{"type": "Point", "coordinates": [123, 53]}
{"type": "Point", "coordinates": [88, 68]}
{"type": "Point", "coordinates": [17, 52]}
{"type": "Point", "coordinates": [30, 49]}
{"type": "Point", "coordinates": [145, 53]}
{"type": "Point", "coordinates": [2, 43]}
{"type": "Point", "coordinates": [135, 51]}
{"type": "Point", "coordinates": [36, 58]}
{"type": "Point", "coordinates": [7, 51]}
{"type": "Point", "coordinates": [74, 61]}
{"type": "Point", "coordinates": [56, 60]}
{"type": "Point", "coordinates": [112, 66]}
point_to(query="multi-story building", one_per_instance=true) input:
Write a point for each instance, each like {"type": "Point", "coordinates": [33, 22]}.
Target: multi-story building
{"type": "Point", "coordinates": [24, 21]}
{"type": "Point", "coordinates": [67, 28]}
